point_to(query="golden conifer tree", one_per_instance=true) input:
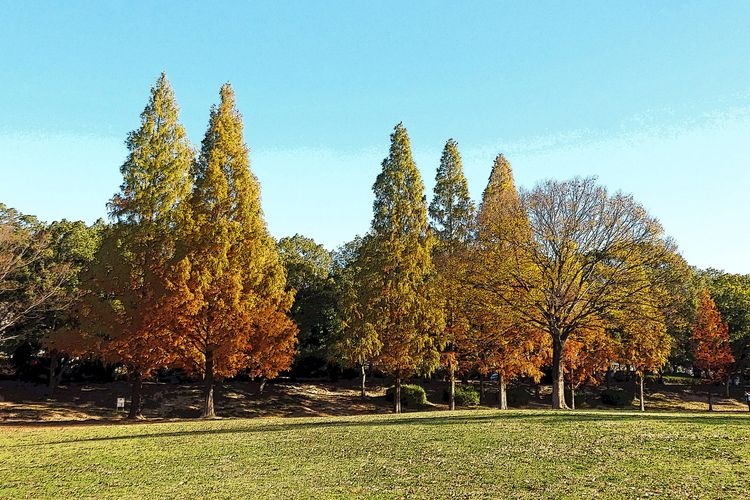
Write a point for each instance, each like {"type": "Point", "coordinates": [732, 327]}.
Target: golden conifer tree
{"type": "Point", "coordinates": [396, 292]}
{"type": "Point", "coordinates": [230, 304]}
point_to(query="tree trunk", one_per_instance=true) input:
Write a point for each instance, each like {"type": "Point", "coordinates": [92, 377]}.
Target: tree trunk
{"type": "Point", "coordinates": [53, 364]}
{"type": "Point", "coordinates": [558, 381]}
{"type": "Point", "coordinates": [572, 397]}
{"type": "Point", "coordinates": [397, 396]}
{"type": "Point", "coordinates": [710, 399]}
{"type": "Point", "coordinates": [208, 387]}
{"type": "Point", "coordinates": [263, 381]}
{"type": "Point", "coordinates": [481, 388]}
{"type": "Point", "coordinates": [643, 401]}
{"type": "Point", "coordinates": [136, 387]}
{"type": "Point", "coordinates": [538, 390]}
{"type": "Point", "coordinates": [502, 397]}
{"type": "Point", "coordinates": [452, 390]}
{"type": "Point", "coordinates": [60, 372]}
{"type": "Point", "coordinates": [729, 382]}
{"type": "Point", "coordinates": [363, 392]}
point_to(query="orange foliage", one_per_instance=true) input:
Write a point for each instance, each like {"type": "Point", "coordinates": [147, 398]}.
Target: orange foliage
{"type": "Point", "coordinates": [710, 337]}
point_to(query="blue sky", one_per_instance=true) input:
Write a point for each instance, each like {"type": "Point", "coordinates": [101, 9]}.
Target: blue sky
{"type": "Point", "coordinates": [651, 97]}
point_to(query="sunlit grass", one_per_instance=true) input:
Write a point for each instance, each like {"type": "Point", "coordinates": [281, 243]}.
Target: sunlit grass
{"type": "Point", "coordinates": [437, 454]}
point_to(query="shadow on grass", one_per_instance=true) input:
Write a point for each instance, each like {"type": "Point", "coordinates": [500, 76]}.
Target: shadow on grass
{"type": "Point", "coordinates": [546, 418]}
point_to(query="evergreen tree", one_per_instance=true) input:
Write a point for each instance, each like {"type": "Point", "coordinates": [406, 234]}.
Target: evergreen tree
{"type": "Point", "coordinates": [231, 305]}
{"type": "Point", "coordinates": [397, 295]}
{"type": "Point", "coordinates": [452, 214]}
{"type": "Point", "coordinates": [128, 275]}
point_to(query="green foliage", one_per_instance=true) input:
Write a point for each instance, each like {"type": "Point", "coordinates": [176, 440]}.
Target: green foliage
{"type": "Point", "coordinates": [466, 395]}
{"type": "Point", "coordinates": [412, 395]}
{"type": "Point", "coordinates": [39, 273]}
{"type": "Point", "coordinates": [308, 271]}
{"type": "Point", "coordinates": [616, 397]}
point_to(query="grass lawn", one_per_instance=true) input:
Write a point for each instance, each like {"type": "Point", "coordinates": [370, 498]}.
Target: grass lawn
{"type": "Point", "coordinates": [461, 454]}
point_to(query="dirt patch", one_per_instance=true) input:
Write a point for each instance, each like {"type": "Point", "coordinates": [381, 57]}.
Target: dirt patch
{"type": "Point", "coordinates": [28, 404]}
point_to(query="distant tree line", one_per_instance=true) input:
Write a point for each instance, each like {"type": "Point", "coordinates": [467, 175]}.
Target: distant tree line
{"type": "Point", "coordinates": [566, 279]}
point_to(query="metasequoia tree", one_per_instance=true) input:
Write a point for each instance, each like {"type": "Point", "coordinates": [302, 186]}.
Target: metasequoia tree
{"type": "Point", "coordinates": [229, 299]}
{"type": "Point", "coordinates": [452, 215]}
{"type": "Point", "coordinates": [583, 262]}
{"type": "Point", "coordinates": [510, 345]}
{"type": "Point", "coordinates": [710, 337]}
{"type": "Point", "coordinates": [126, 283]}
{"type": "Point", "coordinates": [396, 285]}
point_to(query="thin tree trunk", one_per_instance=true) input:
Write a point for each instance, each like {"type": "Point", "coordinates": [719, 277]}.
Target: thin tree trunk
{"type": "Point", "coordinates": [572, 398]}
{"type": "Point", "coordinates": [136, 387]}
{"type": "Point", "coordinates": [729, 382]}
{"type": "Point", "coordinates": [538, 390]}
{"type": "Point", "coordinates": [363, 392]}
{"type": "Point", "coordinates": [481, 388]}
{"type": "Point", "coordinates": [643, 401]}
{"type": "Point", "coordinates": [502, 397]}
{"type": "Point", "coordinates": [263, 381]}
{"type": "Point", "coordinates": [558, 381]}
{"type": "Point", "coordinates": [397, 396]}
{"type": "Point", "coordinates": [53, 363]}
{"type": "Point", "coordinates": [208, 387]}
{"type": "Point", "coordinates": [710, 399]}
{"type": "Point", "coordinates": [452, 390]}
{"type": "Point", "coordinates": [60, 373]}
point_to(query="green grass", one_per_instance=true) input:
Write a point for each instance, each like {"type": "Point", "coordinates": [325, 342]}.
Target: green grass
{"type": "Point", "coordinates": [437, 454]}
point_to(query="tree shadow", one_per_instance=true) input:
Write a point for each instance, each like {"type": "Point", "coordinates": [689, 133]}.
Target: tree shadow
{"type": "Point", "coordinates": [552, 418]}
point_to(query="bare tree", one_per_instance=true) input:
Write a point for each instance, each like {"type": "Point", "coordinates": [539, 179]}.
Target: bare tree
{"type": "Point", "coordinates": [590, 256]}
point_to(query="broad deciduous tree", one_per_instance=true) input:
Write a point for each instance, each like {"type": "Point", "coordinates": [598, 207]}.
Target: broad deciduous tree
{"type": "Point", "coordinates": [584, 261]}
{"type": "Point", "coordinates": [711, 348]}
{"type": "Point", "coordinates": [309, 269]}
{"type": "Point", "coordinates": [34, 278]}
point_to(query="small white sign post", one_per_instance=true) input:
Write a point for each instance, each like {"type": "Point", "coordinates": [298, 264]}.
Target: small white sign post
{"type": "Point", "coordinates": [120, 404]}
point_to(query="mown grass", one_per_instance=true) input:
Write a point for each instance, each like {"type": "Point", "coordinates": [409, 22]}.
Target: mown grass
{"type": "Point", "coordinates": [461, 454]}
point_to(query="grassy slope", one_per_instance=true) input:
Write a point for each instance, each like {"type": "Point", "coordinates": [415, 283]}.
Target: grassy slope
{"type": "Point", "coordinates": [438, 454]}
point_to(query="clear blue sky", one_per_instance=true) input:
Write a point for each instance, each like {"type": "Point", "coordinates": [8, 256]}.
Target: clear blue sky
{"type": "Point", "coordinates": [651, 97]}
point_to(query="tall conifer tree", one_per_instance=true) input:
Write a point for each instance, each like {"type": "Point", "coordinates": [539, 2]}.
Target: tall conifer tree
{"type": "Point", "coordinates": [452, 214]}
{"type": "Point", "coordinates": [510, 346]}
{"type": "Point", "coordinates": [232, 308]}
{"type": "Point", "coordinates": [128, 277]}
{"type": "Point", "coordinates": [398, 299]}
